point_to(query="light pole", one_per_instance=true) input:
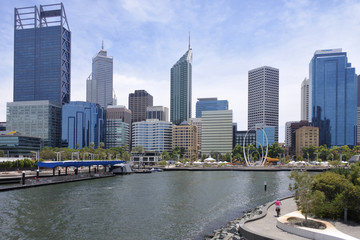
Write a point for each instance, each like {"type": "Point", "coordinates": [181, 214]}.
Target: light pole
{"type": "Point", "coordinates": [72, 155]}
{"type": "Point", "coordinates": [117, 156]}
{"type": "Point", "coordinates": [110, 155]}
{"type": "Point", "coordinates": [58, 156]}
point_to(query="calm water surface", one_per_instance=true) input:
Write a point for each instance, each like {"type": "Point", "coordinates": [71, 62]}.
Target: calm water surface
{"type": "Point", "coordinates": [167, 205]}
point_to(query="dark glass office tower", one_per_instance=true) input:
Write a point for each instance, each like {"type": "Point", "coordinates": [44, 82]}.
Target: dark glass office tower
{"type": "Point", "coordinates": [333, 87]}
{"type": "Point", "coordinates": [42, 53]}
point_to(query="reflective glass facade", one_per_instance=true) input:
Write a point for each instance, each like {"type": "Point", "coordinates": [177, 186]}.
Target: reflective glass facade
{"type": "Point", "coordinates": [250, 138]}
{"type": "Point", "coordinates": [181, 89]}
{"type": "Point", "coordinates": [117, 133]}
{"type": "Point", "coordinates": [36, 119]}
{"type": "Point", "coordinates": [15, 146]}
{"type": "Point", "coordinates": [261, 137]}
{"type": "Point", "coordinates": [334, 97]}
{"type": "Point", "coordinates": [82, 124]}
{"type": "Point", "coordinates": [210, 104]}
{"type": "Point", "coordinates": [152, 135]}
{"type": "Point", "coordinates": [41, 55]}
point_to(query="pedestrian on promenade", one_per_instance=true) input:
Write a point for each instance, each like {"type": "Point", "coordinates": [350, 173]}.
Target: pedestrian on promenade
{"type": "Point", "coordinates": [277, 204]}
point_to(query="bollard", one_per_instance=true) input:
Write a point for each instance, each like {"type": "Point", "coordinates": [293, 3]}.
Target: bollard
{"type": "Point", "coordinates": [265, 185]}
{"type": "Point", "coordinates": [23, 178]}
{"type": "Point", "coordinates": [65, 170]}
{"type": "Point", "coordinates": [37, 174]}
{"type": "Point", "coordinates": [53, 171]}
{"type": "Point", "coordinates": [59, 172]}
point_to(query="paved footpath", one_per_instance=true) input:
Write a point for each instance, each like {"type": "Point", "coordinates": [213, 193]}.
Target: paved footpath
{"type": "Point", "coordinates": [267, 226]}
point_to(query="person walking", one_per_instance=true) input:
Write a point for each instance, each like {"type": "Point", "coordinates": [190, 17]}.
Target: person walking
{"type": "Point", "coordinates": [277, 205]}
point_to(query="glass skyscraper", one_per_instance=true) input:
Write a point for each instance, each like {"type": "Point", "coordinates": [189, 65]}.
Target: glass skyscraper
{"type": "Point", "coordinates": [210, 104]}
{"type": "Point", "coordinates": [99, 86]}
{"type": "Point", "coordinates": [36, 119]}
{"type": "Point", "coordinates": [82, 124]}
{"type": "Point", "coordinates": [42, 53]}
{"type": "Point", "coordinates": [180, 89]}
{"type": "Point", "coordinates": [333, 87]}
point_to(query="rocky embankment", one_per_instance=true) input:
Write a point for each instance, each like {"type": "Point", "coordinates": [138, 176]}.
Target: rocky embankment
{"type": "Point", "coordinates": [232, 230]}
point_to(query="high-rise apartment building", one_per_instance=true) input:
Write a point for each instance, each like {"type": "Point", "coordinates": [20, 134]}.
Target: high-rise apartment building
{"type": "Point", "coordinates": [264, 135]}
{"type": "Point", "coordinates": [263, 98]}
{"type": "Point", "coordinates": [99, 85]}
{"type": "Point", "coordinates": [288, 134]}
{"type": "Point", "coordinates": [82, 124]}
{"type": "Point", "coordinates": [42, 50]}
{"type": "Point", "coordinates": [152, 135]}
{"type": "Point", "coordinates": [184, 136]}
{"type": "Point", "coordinates": [294, 126]}
{"type": "Point", "coordinates": [210, 104]}
{"type": "Point", "coordinates": [138, 102]}
{"type": "Point", "coordinates": [248, 136]}
{"type": "Point", "coordinates": [36, 119]}
{"type": "Point", "coordinates": [180, 88]}
{"type": "Point", "coordinates": [217, 132]}
{"type": "Point", "coordinates": [157, 112]}
{"type": "Point", "coordinates": [333, 87]}
{"type": "Point", "coordinates": [305, 95]}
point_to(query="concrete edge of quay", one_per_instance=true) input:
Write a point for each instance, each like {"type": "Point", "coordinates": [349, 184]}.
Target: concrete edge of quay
{"type": "Point", "coordinates": [267, 169]}
{"type": "Point", "coordinates": [251, 235]}
{"type": "Point", "coordinates": [53, 183]}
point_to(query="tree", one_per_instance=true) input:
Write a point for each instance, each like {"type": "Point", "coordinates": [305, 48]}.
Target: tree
{"type": "Point", "coordinates": [137, 149]}
{"type": "Point", "coordinates": [77, 146]}
{"type": "Point", "coordinates": [303, 183]}
{"type": "Point", "coordinates": [227, 157]}
{"type": "Point", "coordinates": [92, 145]}
{"type": "Point", "coordinates": [165, 155]}
{"type": "Point", "coordinates": [102, 145]}
{"type": "Point", "coordinates": [275, 150]}
{"type": "Point", "coordinates": [2, 153]}
{"type": "Point", "coordinates": [48, 153]}
{"type": "Point", "coordinates": [309, 152]}
{"type": "Point", "coordinates": [126, 156]}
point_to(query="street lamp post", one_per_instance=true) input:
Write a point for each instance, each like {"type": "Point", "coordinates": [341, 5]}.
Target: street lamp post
{"type": "Point", "coordinates": [72, 155]}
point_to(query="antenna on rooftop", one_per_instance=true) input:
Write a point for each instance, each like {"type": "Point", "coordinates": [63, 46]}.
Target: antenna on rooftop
{"type": "Point", "coordinates": [102, 45]}
{"type": "Point", "coordinates": [189, 40]}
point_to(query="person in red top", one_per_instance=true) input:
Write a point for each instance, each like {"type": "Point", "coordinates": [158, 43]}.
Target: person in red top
{"type": "Point", "coordinates": [277, 204]}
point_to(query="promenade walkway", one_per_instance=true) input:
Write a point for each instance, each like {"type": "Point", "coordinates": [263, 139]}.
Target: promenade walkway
{"type": "Point", "coordinates": [267, 226]}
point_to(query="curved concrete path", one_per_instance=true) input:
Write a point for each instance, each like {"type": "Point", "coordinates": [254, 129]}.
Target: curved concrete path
{"type": "Point", "coordinates": [266, 226]}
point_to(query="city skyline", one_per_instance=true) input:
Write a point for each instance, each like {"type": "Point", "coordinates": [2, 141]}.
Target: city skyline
{"type": "Point", "coordinates": [147, 42]}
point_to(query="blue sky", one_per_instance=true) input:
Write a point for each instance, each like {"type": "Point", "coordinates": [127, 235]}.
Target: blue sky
{"type": "Point", "coordinates": [228, 38]}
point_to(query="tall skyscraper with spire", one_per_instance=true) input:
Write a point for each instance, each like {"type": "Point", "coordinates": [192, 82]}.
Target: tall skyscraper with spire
{"type": "Point", "coordinates": [42, 52]}
{"type": "Point", "coordinates": [181, 85]}
{"type": "Point", "coordinates": [99, 85]}
{"type": "Point", "coordinates": [305, 95]}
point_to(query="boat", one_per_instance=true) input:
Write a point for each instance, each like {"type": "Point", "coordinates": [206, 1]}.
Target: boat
{"type": "Point", "coordinates": [142, 171]}
{"type": "Point", "coordinates": [122, 169]}
{"type": "Point", "coordinates": [156, 170]}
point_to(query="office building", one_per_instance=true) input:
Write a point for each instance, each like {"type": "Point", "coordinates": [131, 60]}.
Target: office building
{"type": "Point", "coordinates": [157, 112]}
{"type": "Point", "coordinates": [288, 134]}
{"type": "Point", "coordinates": [197, 122]}
{"type": "Point", "coordinates": [138, 102]}
{"type": "Point", "coordinates": [117, 133]}
{"type": "Point", "coordinates": [217, 136]}
{"type": "Point", "coordinates": [181, 88]}
{"type": "Point", "coordinates": [333, 87]}
{"type": "Point", "coordinates": [152, 135]}
{"type": "Point", "coordinates": [306, 136]}
{"type": "Point", "coordinates": [358, 113]}
{"type": "Point", "coordinates": [264, 135]}
{"type": "Point", "coordinates": [42, 50]}
{"type": "Point", "coordinates": [263, 98]}
{"type": "Point", "coordinates": [16, 145]}
{"type": "Point", "coordinates": [2, 126]}
{"type": "Point", "coordinates": [305, 96]}
{"type": "Point", "coordinates": [210, 104]}
{"type": "Point", "coordinates": [82, 124]}
{"type": "Point", "coordinates": [40, 119]}
{"type": "Point", "coordinates": [119, 112]}
{"type": "Point", "coordinates": [99, 85]}
{"type": "Point", "coordinates": [118, 122]}
{"type": "Point", "coordinates": [184, 136]}
{"type": "Point", "coordinates": [294, 126]}
{"type": "Point", "coordinates": [248, 136]}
